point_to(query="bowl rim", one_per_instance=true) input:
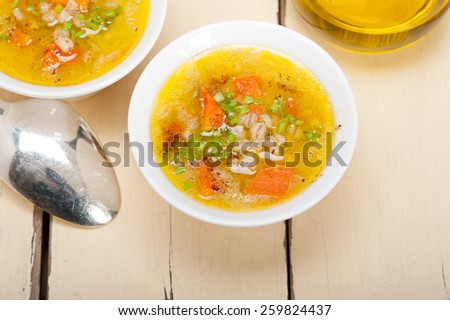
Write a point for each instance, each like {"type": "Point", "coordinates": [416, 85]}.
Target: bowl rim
{"type": "Point", "coordinates": [153, 28]}
{"type": "Point", "coordinates": [160, 183]}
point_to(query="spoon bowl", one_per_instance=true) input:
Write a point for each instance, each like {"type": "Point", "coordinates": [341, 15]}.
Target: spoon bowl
{"type": "Point", "coordinates": [51, 156]}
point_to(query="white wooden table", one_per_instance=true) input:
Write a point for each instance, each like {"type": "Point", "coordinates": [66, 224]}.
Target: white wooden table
{"type": "Point", "coordinates": [383, 233]}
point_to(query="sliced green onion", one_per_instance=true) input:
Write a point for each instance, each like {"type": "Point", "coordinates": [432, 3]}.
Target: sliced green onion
{"type": "Point", "coordinates": [282, 126]}
{"type": "Point", "coordinates": [96, 27]}
{"type": "Point", "coordinates": [67, 26]}
{"type": "Point", "coordinates": [198, 155]}
{"type": "Point", "coordinates": [59, 8]}
{"type": "Point", "coordinates": [195, 93]}
{"type": "Point", "coordinates": [192, 143]}
{"type": "Point", "coordinates": [275, 107]}
{"type": "Point", "coordinates": [214, 150]}
{"type": "Point", "coordinates": [188, 185]}
{"type": "Point", "coordinates": [312, 135]}
{"type": "Point", "coordinates": [109, 14]}
{"type": "Point", "coordinates": [5, 37]}
{"type": "Point", "coordinates": [80, 16]}
{"type": "Point", "coordinates": [215, 139]}
{"type": "Point", "coordinates": [14, 4]}
{"type": "Point", "coordinates": [233, 103]}
{"type": "Point", "coordinates": [228, 94]}
{"type": "Point", "coordinates": [77, 34]}
{"type": "Point", "coordinates": [231, 137]}
{"type": "Point", "coordinates": [247, 100]}
{"type": "Point", "coordinates": [291, 119]}
{"type": "Point", "coordinates": [96, 8]}
{"type": "Point", "coordinates": [233, 120]}
{"type": "Point", "coordinates": [178, 170]}
{"type": "Point", "coordinates": [225, 106]}
{"type": "Point", "coordinates": [183, 153]}
{"type": "Point", "coordinates": [217, 134]}
{"type": "Point", "coordinates": [242, 109]}
{"type": "Point", "coordinates": [298, 122]}
{"type": "Point", "coordinates": [119, 10]}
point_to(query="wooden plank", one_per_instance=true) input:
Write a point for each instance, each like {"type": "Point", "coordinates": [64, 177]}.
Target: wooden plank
{"type": "Point", "coordinates": [383, 232]}
{"type": "Point", "coordinates": [211, 262]}
{"type": "Point", "coordinates": [19, 247]}
{"type": "Point", "coordinates": [151, 252]}
{"type": "Point", "coordinates": [128, 259]}
{"type": "Point", "coordinates": [20, 234]}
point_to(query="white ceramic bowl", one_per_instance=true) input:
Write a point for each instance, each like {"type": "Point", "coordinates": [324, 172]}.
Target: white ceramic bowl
{"type": "Point", "coordinates": [266, 35]}
{"type": "Point", "coordinates": [154, 26]}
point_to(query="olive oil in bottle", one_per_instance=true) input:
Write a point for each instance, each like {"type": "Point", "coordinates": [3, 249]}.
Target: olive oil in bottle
{"type": "Point", "coordinates": [372, 25]}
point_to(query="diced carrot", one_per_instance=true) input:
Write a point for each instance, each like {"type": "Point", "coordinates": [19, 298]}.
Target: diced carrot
{"type": "Point", "coordinates": [53, 55]}
{"type": "Point", "coordinates": [271, 182]}
{"type": "Point", "coordinates": [292, 108]}
{"type": "Point", "coordinates": [205, 180]}
{"type": "Point", "coordinates": [61, 2]}
{"type": "Point", "coordinates": [248, 86]}
{"type": "Point", "coordinates": [84, 4]}
{"type": "Point", "coordinates": [171, 130]}
{"type": "Point", "coordinates": [259, 110]}
{"type": "Point", "coordinates": [50, 58]}
{"type": "Point", "coordinates": [213, 116]}
{"type": "Point", "coordinates": [20, 38]}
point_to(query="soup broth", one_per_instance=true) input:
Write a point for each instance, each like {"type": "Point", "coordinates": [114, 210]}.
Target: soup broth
{"type": "Point", "coordinates": [66, 42]}
{"type": "Point", "coordinates": [224, 121]}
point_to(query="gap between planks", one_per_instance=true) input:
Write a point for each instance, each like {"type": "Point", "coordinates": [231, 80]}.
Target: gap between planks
{"type": "Point", "coordinates": [40, 257]}
{"type": "Point", "coordinates": [36, 255]}
{"type": "Point", "coordinates": [287, 223]}
{"type": "Point", "coordinates": [42, 225]}
{"type": "Point", "coordinates": [45, 256]}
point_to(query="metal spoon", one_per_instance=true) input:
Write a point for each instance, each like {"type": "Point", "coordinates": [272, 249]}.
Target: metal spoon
{"type": "Point", "coordinates": [51, 156]}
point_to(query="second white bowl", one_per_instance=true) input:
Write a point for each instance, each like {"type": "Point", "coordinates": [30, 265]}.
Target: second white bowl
{"type": "Point", "coordinates": [291, 43]}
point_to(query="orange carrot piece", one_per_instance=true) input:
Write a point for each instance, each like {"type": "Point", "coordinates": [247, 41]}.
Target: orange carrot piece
{"type": "Point", "coordinates": [50, 55]}
{"type": "Point", "coordinates": [171, 130]}
{"type": "Point", "coordinates": [20, 39]}
{"type": "Point", "coordinates": [271, 182]}
{"type": "Point", "coordinates": [213, 116]}
{"type": "Point", "coordinates": [259, 110]}
{"type": "Point", "coordinates": [53, 55]}
{"type": "Point", "coordinates": [248, 86]}
{"type": "Point", "coordinates": [84, 4]}
{"type": "Point", "coordinates": [61, 2]}
{"type": "Point", "coordinates": [205, 180]}
{"type": "Point", "coordinates": [292, 109]}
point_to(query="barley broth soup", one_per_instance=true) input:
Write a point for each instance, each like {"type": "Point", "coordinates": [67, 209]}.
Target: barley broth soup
{"type": "Point", "coordinates": [224, 121]}
{"type": "Point", "coordinates": [66, 42]}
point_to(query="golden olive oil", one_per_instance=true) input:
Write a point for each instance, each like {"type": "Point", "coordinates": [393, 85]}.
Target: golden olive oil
{"type": "Point", "coordinates": [372, 25]}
